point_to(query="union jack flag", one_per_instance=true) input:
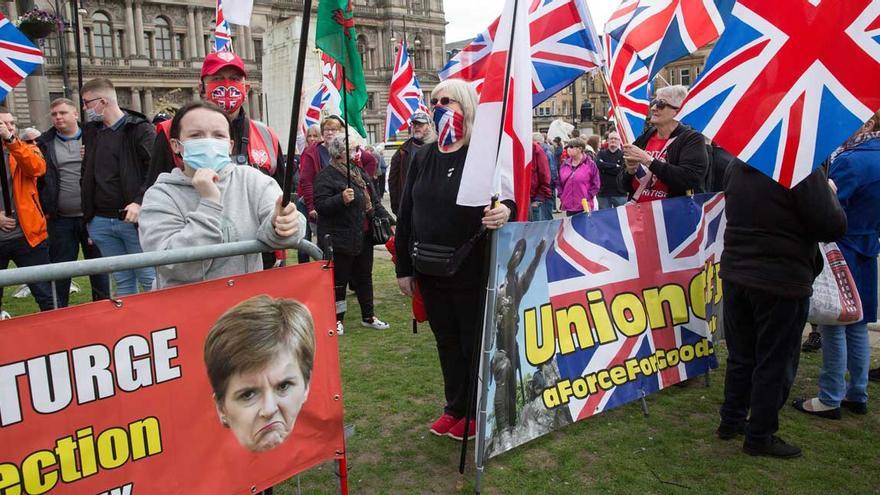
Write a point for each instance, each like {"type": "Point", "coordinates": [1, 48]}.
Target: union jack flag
{"type": "Point", "coordinates": [18, 57]}
{"type": "Point", "coordinates": [779, 70]}
{"type": "Point", "coordinates": [628, 250]}
{"type": "Point", "coordinates": [564, 45]}
{"type": "Point", "coordinates": [222, 32]}
{"type": "Point", "coordinates": [313, 112]}
{"type": "Point", "coordinates": [405, 96]}
{"type": "Point", "coordinates": [628, 86]}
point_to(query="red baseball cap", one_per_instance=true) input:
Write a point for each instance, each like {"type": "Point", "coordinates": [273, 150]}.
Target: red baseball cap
{"type": "Point", "coordinates": [218, 60]}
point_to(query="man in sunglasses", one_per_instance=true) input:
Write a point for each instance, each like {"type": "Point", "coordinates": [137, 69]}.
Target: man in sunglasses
{"type": "Point", "coordinates": [669, 159]}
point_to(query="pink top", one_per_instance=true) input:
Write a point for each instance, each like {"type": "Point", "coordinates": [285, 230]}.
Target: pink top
{"type": "Point", "coordinates": [577, 183]}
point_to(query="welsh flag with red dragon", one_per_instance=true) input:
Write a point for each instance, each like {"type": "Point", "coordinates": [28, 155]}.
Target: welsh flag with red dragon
{"type": "Point", "coordinates": [336, 37]}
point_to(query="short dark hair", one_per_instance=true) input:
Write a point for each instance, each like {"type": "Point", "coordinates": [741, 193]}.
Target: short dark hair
{"type": "Point", "coordinates": [207, 105]}
{"type": "Point", "coordinates": [251, 333]}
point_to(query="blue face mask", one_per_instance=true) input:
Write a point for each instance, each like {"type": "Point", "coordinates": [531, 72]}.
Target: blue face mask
{"type": "Point", "coordinates": [206, 153]}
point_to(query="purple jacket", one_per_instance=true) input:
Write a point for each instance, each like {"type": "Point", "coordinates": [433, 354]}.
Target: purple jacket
{"type": "Point", "coordinates": [577, 183]}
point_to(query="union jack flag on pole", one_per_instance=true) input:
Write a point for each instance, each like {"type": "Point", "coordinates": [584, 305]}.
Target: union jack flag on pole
{"type": "Point", "coordinates": [780, 72]}
{"type": "Point", "coordinates": [222, 31]}
{"type": "Point", "coordinates": [499, 162]}
{"type": "Point", "coordinates": [18, 57]}
{"type": "Point", "coordinates": [405, 96]}
{"type": "Point", "coordinates": [563, 46]}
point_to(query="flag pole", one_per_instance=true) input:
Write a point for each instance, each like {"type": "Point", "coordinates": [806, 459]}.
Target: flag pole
{"type": "Point", "coordinates": [490, 288]}
{"type": "Point", "coordinates": [297, 97]}
{"type": "Point", "coordinates": [345, 112]}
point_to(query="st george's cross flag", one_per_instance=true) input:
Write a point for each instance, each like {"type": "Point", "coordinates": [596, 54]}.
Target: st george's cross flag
{"type": "Point", "coordinates": [789, 81]}
{"type": "Point", "coordinates": [499, 162]}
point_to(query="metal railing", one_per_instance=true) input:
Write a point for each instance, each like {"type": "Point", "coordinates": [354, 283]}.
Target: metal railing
{"type": "Point", "coordinates": [70, 269]}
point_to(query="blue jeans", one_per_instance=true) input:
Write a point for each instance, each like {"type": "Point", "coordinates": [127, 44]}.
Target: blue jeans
{"type": "Point", "coordinates": [844, 348]}
{"type": "Point", "coordinates": [19, 251]}
{"type": "Point", "coordinates": [115, 238]}
{"type": "Point", "coordinates": [606, 202]}
{"type": "Point", "coordinates": [540, 212]}
{"type": "Point", "coordinates": [66, 236]}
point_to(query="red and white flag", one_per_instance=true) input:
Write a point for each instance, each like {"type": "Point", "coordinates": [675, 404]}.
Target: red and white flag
{"type": "Point", "coordinates": [503, 168]}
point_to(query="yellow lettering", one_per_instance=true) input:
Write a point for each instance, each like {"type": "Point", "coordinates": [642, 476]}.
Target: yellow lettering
{"type": "Point", "coordinates": [145, 438]}
{"type": "Point", "coordinates": [629, 314]}
{"type": "Point", "coordinates": [601, 318]}
{"type": "Point", "coordinates": [573, 316]}
{"type": "Point", "coordinates": [112, 448]}
{"type": "Point", "coordinates": [540, 348]}
{"type": "Point", "coordinates": [35, 481]}
{"type": "Point", "coordinates": [10, 480]}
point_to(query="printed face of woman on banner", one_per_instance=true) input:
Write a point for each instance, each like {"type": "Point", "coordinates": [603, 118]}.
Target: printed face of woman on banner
{"type": "Point", "coordinates": [261, 406]}
{"type": "Point", "coordinates": [259, 358]}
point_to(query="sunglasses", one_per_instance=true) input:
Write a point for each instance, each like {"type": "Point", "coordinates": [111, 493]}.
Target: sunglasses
{"type": "Point", "coordinates": [443, 101]}
{"type": "Point", "coordinates": [662, 104]}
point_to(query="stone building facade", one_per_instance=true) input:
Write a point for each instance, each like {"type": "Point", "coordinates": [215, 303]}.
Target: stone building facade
{"type": "Point", "coordinates": [152, 49]}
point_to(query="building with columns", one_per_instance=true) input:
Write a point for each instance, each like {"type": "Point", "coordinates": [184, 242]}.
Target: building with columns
{"type": "Point", "coordinates": [152, 50]}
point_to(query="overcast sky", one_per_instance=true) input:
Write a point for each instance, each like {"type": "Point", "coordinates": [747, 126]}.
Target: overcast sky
{"type": "Point", "coordinates": [467, 18]}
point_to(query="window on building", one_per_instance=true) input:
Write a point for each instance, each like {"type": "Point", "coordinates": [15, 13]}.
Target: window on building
{"type": "Point", "coordinates": [103, 35]}
{"type": "Point", "coordinates": [179, 53]}
{"type": "Point", "coordinates": [371, 101]}
{"type": "Point", "coordinates": [364, 50]}
{"type": "Point", "coordinates": [50, 46]}
{"type": "Point", "coordinates": [686, 77]}
{"type": "Point", "coordinates": [372, 132]}
{"type": "Point", "coordinates": [120, 44]}
{"type": "Point", "coordinates": [258, 51]}
{"type": "Point", "coordinates": [87, 42]}
{"type": "Point", "coordinates": [162, 38]}
{"type": "Point", "coordinates": [671, 75]}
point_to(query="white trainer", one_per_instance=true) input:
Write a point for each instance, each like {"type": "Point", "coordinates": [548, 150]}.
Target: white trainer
{"type": "Point", "coordinates": [375, 323]}
{"type": "Point", "coordinates": [340, 330]}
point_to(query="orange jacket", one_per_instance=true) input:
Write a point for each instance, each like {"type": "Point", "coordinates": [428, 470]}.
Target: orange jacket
{"type": "Point", "coordinates": [26, 164]}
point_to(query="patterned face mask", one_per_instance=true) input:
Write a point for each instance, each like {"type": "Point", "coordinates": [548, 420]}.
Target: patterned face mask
{"type": "Point", "coordinates": [227, 94]}
{"type": "Point", "coordinates": [449, 124]}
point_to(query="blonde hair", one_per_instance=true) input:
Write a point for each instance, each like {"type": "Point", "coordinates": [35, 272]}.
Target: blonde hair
{"type": "Point", "coordinates": [100, 86]}
{"type": "Point", "coordinates": [466, 96]}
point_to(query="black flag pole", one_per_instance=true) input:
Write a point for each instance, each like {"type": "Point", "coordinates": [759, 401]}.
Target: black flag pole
{"type": "Point", "coordinates": [77, 46]}
{"type": "Point", "coordinates": [345, 114]}
{"type": "Point", "coordinates": [4, 182]}
{"type": "Point", "coordinates": [490, 288]}
{"type": "Point", "coordinates": [297, 101]}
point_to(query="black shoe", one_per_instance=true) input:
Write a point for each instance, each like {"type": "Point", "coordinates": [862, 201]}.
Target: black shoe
{"type": "Point", "coordinates": [827, 414]}
{"type": "Point", "coordinates": [775, 447]}
{"type": "Point", "coordinates": [874, 375]}
{"type": "Point", "coordinates": [729, 432]}
{"type": "Point", "coordinates": [855, 407]}
{"type": "Point", "coordinates": [813, 342]}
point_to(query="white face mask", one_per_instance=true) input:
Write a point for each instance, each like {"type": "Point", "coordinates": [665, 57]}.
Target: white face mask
{"type": "Point", "coordinates": [93, 116]}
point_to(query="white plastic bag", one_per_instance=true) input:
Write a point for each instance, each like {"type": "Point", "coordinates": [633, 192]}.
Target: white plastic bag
{"type": "Point", "coordinates": [835, 299]}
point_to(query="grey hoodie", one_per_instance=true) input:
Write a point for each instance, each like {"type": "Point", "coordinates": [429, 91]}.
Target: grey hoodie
{"type": "Point", "coordinates": [173, 215]}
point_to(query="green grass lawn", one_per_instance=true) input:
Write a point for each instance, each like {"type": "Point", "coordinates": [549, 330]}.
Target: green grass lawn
{"type": "Point", "coordinates": [393, 390]}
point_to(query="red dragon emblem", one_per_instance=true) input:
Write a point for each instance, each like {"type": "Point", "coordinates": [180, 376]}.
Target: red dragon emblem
{"type": "Point", "coordinates": [345, 18]}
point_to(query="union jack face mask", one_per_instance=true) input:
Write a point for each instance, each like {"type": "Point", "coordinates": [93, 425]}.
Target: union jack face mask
{"type": "Point", "coordinates": [450, 125]}
{"type": "Point", "coordinates": [227, 94]}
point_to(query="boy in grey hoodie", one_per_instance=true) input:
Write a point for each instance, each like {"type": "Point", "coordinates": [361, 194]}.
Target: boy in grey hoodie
{"type": "Point", "coordinates": [212, 201]}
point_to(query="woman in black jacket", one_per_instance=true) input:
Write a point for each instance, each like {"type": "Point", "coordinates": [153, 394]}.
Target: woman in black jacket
{"type": "Point", "coordinates": [453, 292]}
{"type": "Point", "coordinates": [669, 159]}
{"type": "Point", "coordinates": [345, 212]}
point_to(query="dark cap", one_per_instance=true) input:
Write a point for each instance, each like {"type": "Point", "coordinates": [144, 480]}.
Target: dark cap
{"type": "Point", "coordinates": [420, 117]}
{"type": "Point", "coordinates": [218, 60]}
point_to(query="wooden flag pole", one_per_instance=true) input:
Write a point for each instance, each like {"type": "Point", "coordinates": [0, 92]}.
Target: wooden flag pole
{"type": "Point", "coordinates": [297, 101]}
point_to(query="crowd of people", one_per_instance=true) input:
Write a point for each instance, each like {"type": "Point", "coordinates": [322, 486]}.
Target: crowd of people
{"type": "Point", "coordinates": [120, 184]}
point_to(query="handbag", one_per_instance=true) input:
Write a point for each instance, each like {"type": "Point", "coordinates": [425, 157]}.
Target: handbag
{"type": "Point", "coordinates": [442, 261]}
{"type": "Point", "coordinates": [380, 230]}
{"type": "Point", "coordinates": [835, 299]}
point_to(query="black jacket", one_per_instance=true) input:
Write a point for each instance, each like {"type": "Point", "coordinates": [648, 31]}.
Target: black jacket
{"type": "Point", "coordinates": [685, 166]}
{"type": "Point", "coordinates": [770, 243]}
{"type": "Point", "coordinates": [139, 135]}
{"type": "Point", "coordinates": [344, 223]}
{"type": "Point", "coordinates": [610, 164]}
{"type": "Point", "coordinates": [719, 160]}
{"type": "Point", "coordinates": [49, 185]}
{"type": "Point", "coordinates": [398, 169]}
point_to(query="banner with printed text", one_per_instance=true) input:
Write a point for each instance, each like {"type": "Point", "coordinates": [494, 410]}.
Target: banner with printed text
{"type": "Point", "coordinates": [598, 310]}
{"type": "Point", "coordinates": [205, 388]}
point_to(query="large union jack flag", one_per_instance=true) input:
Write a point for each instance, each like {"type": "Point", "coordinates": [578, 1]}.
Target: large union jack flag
{"type": "Point", "coordinates": [564, 45]}
{"type": "Point", "coordinates": [405, 96]}
{"type": "Point", "coordinates": [627, 250]}
{"type": "Point", "coordinates": [780, 71]}
{"type": "Point", "coordinates": [628, 86]}
{"type": "Point", "coordinates": [222, 31]}
{"type": "Point", "coordinates": [18, 57]}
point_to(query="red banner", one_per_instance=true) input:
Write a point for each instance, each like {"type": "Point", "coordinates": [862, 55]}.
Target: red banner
{"type": "Point", "coordinates": [101, 398]}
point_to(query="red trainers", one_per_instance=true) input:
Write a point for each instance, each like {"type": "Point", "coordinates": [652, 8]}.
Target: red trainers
{"type": "Point", "coordinates": [457, 431]}
{"type": "Point", "coordinates": [443, 424]}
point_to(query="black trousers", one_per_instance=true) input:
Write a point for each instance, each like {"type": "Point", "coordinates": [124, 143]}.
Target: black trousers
{"type": "Point", "coordinates": [455, 318]}
{"type": "Point", "coordinates": [359, 270]}
{"type": "Point", "coordinates": [763, 333]}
